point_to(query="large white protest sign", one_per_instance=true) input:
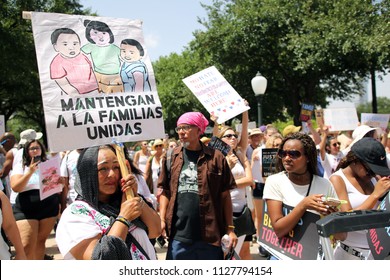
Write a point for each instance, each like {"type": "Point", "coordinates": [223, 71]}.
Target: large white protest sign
{"type": "Point", "coordinates": [375, 120]}
{"type": "Point", "coordinates": [97, 81]}
{"type": "Point", "coordinates": [341, 119]}
{"type": "Point", "coordinates": [216, 94]}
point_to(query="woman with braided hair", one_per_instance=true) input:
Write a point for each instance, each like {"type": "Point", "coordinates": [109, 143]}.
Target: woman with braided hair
{"type": "Point", "coordinates": [101, 223]}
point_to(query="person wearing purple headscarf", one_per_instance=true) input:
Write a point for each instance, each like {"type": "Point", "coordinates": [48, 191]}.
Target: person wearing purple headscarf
{"type": "Point", "coordinates": [195, 205]}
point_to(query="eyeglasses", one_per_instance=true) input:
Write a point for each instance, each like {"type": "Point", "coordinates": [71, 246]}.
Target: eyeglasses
{"type": "Point", "coordinates": [34, 148]}
{"type": "Point", "coordinates": [293, 154]}
{"type": "Point", "coordinates": [230, 136]}
{"type": "Point", "coordinates": [185, 128]}
{"type": "Point", "coordinates": [336, 144]}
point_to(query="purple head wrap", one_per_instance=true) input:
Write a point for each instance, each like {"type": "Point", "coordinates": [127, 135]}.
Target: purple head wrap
{"type": "Point", "coordinates": [194, 118]}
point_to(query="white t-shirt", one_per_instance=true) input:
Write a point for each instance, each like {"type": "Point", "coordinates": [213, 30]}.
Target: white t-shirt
{"type": "Point", "coordinates": [13, 194]}
{"type": "Point", "coordinates": [80, 221]}
{"type": "Point", "coordinates": [155, 173]}
{"type": "Point", "coordinates": [33, 182]}
{"type": "Point", "coordinates": [69, 170]}
{"type": "Point", "coordinates": [330, 163]}
{"type": "Point", "coordinates": [279, 187]}
{"type": "Point", "coordinates": [144, 190]}
{"type": "Point", "coordinates": [257, 167]}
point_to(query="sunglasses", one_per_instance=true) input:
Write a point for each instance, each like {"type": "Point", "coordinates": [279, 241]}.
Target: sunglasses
{"type": "Point", "coordinates": [230, 136]}
{"type": "Point", "coordinates": [157, 146]}
{"type": "Point", "coordinates": [336, 144]}
{"type": "Point", "coordinates": [293, 154]}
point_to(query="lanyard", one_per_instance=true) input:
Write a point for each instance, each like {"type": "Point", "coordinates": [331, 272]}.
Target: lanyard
{"type": "Point", "coordinates": [311, 180]}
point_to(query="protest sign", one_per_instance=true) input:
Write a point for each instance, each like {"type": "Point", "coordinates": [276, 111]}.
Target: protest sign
{"type": "Point", "coordinates": [219, 144]}
{"type": "Point", "coordinates": [92, 89]}
{"type": "Point", "coordinates": [319, 117]}
{"type": "Point", "coordinates": [49, 177]}
{"type": "Point", "coordinates": [301, 243]}
{"type": "Point", "coordinates": [216, 94]}
{"type": "Point", "coordinates": [268, 156]}
{"type": "Point", "coordinates": [379, 238]}
{"type": "Point", "coordinates": [341, 119]}
{"type": "Point", "coordinates": [375, 120]}
{"type": "Point", "coordinates": [306, 112]}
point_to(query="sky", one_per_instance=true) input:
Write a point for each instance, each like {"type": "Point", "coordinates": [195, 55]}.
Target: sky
{"type": "Point", "coordinates": [167, 24]}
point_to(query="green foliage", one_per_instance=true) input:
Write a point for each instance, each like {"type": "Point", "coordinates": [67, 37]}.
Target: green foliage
{"type": "Point", "coordinates": [383, 107]}
{"type": "Point", "coordinates": [175, 97]}
{"type": "Point", "coordinates": [308, 50]}
{"type": "Point", "coordinates": [20, 95]}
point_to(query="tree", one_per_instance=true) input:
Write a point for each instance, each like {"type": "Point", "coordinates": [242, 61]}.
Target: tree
{"type": "Point", "coordinates": [175, 97]}
{"type": "Point", "coordinates": [308, 50]}
{"type": "Point", "coordinates": [20, 95]}
{"type": "Point", "coordinates": [383, 106]}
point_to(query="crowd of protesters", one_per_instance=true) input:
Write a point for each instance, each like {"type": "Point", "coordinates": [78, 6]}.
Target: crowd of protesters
{"type": "Point", "coordinates": [186, 192]}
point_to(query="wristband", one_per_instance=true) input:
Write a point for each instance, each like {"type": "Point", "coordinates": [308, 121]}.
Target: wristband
{"type": "Point", "coordinates": [123, 220]}
{"type": "Point", "coordinates": [232, 227]}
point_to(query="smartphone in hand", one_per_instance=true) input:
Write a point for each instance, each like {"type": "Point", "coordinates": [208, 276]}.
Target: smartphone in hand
{"type": "Point", "coordinates": [37, 159]}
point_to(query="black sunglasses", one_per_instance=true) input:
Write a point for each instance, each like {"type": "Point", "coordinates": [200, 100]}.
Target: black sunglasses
{"type": "Point", "coordinates": [230, 136]}
{"type": "Point", "coordinates": [336, 144]}
{"type": "Point", "coordinates": [293, 154]}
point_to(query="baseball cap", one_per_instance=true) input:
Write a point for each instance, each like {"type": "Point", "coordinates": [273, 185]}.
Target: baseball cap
{"type": "Point", "coordinates": [263, 128]}
{"type": "Point", "coordinates": [372, 153]}
{"type": "Point", "coordinates": [290, 129]}
{"type": "Point", "coordinates": [29, 134]}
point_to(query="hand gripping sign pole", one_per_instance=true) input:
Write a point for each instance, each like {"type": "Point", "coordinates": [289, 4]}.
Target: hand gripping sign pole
{"type": "Point", "coordinates": [122, 163]}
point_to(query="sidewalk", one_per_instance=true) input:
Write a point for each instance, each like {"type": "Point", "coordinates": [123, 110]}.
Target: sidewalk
{"type": "Point", "coordinates": [52, 249]}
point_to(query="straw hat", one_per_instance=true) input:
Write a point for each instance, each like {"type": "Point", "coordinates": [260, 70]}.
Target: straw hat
{"type": "Point", "coordinates": [157, 142]}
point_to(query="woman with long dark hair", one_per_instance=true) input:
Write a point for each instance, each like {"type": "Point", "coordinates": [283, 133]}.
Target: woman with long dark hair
{"type": "Point", "coordinates": [34, 217]}
{"type": "Point", "coordinates": [102, 223]}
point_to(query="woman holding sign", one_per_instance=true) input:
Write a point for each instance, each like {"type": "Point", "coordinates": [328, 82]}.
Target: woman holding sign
{"type": "Point", "coordinates": [102, 223]}
{"type": "Point", "coordinates": [34, 217]}
{"type": "Point", "coordinates": [242, 172]}
{"type": "Point", "coordinates": [297, 185]}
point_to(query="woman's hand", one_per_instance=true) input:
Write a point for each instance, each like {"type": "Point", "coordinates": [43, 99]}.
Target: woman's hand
{"type": "Point", "coordinates": [314, 202]}
{"type": "Point", "coordinates": [232, 160]}
{"type": "Point", "coordinates": [214, 118]}
{"type": "Point", "coordinates": [132, 208]}
{"type": "Point", "coordinates": [232, 239]}
{"type": "Point", "coordinates": [381, 187]}
{"type": "Point", "coordinates": [33, 165]}
{"type": "Point", "coordinates": [129, 183]}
